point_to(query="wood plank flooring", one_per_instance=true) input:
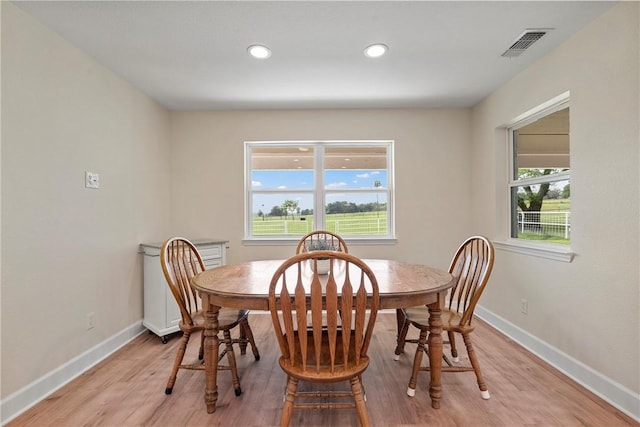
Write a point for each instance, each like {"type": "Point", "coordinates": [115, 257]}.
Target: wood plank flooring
{"type": "Point", "coordinates": [127, 389]}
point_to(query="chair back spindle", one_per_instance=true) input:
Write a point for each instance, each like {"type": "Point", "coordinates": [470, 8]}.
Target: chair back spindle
{"type": "Point", "coordinates": [180, 263]}
{"type": "Point", "coordinates": [297, 294]}
{"type": "Point", "coordinates": [471, 267]}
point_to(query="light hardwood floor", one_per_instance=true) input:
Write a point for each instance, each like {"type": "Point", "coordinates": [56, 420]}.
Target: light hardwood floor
{"type": "Point", "coordinates": [127, 389]}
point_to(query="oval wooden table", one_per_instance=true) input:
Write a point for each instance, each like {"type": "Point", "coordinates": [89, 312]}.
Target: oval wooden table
{"type": "Point", "coordinates": [246, 286]}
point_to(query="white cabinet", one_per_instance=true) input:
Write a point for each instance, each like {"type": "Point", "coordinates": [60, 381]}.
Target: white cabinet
{"type": "Point", "coordinates": [161, 313]}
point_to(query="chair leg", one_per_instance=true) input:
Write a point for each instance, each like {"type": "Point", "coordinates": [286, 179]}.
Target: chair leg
{"type": "Point", "coordinates": [417, 361]}
{"type": "Point", "coordinates": [201, 350]}
{"type": "Point", "coordinates": [484, 391]}
{"type": "Point", "coordinates": [289, 397]}
{"type": "Point", "coordinates": [452, 343]}
{"type": "Point", "coordinates": [248, 333]}
{"type": "Point", "coordinates": [243, 338]}
{"type": "Point", "coordinates": [361, 407]}
{"type": "Point", "coordinates": [231, 358]}
{"type": "Point", "coordinates": [402, 335]}
{"type": "Point", "coordinates": [177, 362]}
{"type": "Point", "coordinates": [364, 392]}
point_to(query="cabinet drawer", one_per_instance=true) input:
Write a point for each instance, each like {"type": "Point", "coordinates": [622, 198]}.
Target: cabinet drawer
{"type": "Point", "coordinates": [210, 252]}
{"type": "Point", "coordinates": [211, 263]}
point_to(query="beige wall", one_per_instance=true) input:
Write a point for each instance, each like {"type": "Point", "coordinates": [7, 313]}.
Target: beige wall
{"type": "Point", "coordinates": [589, 308]}
{"type": "Point", "coordinates": [432, 174]}
{"type": "Point", "coordinates": [68, 250]}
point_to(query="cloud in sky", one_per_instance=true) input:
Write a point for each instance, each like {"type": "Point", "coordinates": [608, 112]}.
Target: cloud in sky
{"type": "Point", "coordinates": [256, 184]}
{"type": "Point", "coordinates": [337, 184]}
{"type": "Point", "coordinates": [282, 187]}
{"type": "Point", "coordinates": [363, 175]}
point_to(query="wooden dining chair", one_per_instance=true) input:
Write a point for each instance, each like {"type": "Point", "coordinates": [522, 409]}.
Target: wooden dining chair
{"type": "Point", "coordinates": [321, 240]}
{"type": "Point", "coordinates": [181, 261]}
{"type": "Point", "coordinates": [471, 267]}
{"type": "Point", "coordinates": [323, 351]}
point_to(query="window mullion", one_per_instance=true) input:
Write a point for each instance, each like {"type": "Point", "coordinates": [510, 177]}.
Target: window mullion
{"type": "Point", "coordinates": [318, 207]}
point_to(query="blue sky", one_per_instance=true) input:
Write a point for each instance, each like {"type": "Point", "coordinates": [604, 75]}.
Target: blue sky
{"type": "Point", "coordinates": [303, 179]}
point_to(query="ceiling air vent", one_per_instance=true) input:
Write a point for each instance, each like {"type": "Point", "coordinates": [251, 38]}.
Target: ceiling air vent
{"type": "Point", "coordinates": [523, 42]}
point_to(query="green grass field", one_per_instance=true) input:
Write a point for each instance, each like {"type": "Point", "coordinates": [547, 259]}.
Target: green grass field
{"type": "Point", "coordinates": [375, 223]}
{"type": "Point", "coordinates": [560, 205]}
{"type": "Point", "coordinates": [369, 223]}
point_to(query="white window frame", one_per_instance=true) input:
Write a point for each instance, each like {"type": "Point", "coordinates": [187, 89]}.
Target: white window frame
{"type": "Point", "coordinates": [319, 190]}
{"type": "Point", "coordinates": [531, 247]}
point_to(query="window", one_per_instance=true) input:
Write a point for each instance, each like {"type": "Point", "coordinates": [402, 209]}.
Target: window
{"type": "Point", "coordinates": [295, 187]}
{"type": "Point", "coordinates": [539, 185]}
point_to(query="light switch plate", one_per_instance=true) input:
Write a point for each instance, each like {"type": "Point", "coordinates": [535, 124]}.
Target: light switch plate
{"type": "Point", "coordinates": [92, 180]}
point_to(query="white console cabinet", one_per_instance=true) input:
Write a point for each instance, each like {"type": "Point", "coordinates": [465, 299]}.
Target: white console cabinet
{"type": "Point", "coordinates": [161, 313]}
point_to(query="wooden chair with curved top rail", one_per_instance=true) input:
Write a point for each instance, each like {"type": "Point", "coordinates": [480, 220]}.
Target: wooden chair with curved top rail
{"type": "Point", "coordinates": [321, 240]}
{"type": "Point", "coordinates": [323, 351]}
{"type": "Point", "coordinates": [181, 261]}
{"type": "Point", "coordinates": [471, 267]}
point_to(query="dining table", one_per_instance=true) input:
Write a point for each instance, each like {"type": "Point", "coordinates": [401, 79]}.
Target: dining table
{"type": "Point", "coordinates": [246, 286]}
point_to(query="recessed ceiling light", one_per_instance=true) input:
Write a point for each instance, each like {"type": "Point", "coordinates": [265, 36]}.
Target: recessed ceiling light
{"type": "Point", "coordinates": [375, 50]}
{"type": "Point", "coordinates": [259, 51]}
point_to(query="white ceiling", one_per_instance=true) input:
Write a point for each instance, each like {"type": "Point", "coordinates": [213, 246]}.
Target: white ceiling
{"type": "Point", "coordinates": [191, 55]}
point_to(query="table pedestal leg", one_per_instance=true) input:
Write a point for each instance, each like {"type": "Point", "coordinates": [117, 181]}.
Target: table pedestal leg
{"type": "Point", "coordinates": [435, 352]}
{"type": "Point", "coordinates": [211, 345]}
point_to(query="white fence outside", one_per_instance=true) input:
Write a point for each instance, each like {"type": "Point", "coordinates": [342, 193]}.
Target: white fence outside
{"type": "Point", "coordinates": [545, 223]}
{"type": "Point", "coordinates": [364, 226]}
{"type": "Point", "coordinates": [542, 223]}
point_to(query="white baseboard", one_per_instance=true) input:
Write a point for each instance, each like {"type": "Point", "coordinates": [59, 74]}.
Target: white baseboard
{"type": "Point", "coordinates": [615, 394]}
{"type": "Point", "coordinates": [25, 398]}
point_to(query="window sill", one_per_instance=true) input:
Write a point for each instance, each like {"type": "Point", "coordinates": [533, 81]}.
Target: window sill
{"type": "Point", "coordinates": [549, 251]}
{"type": "Point", "coordinates": [293, 242]}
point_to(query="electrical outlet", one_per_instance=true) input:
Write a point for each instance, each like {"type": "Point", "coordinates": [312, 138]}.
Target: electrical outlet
{"type": "Point", "coordinates": [524, 306]}
{"type": "Point", "coordinates": [91, 321]}
{"type": "Point", "coordinates": [91, 180]}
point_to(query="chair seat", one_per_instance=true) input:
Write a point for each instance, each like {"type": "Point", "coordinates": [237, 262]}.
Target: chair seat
{"type": "Point", "coordinates": [325, 373]}
{"type": "Point", "coordinates": [228, 318]}
{"type": "Point", "coordinates": [419, 316]}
